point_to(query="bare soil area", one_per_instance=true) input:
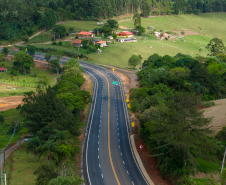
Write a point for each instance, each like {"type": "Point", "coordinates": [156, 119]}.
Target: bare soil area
{"type": "Point", "coordinates": [10, 102]}
{"type": "Point", "coordinates": [218, 112]}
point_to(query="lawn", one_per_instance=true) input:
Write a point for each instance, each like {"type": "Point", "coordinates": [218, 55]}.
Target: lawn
{"type": "Point", "coordinates": [27, 80]}
{"type": "Point", "coordinates": [23, 166]}
{"type": "Point", "coordinates": [6, 129]}
{"type": "Point", "coordinates": [81, 25]}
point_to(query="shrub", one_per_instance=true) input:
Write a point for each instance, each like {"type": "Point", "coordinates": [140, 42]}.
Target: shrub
{"type": "Point", "coordinates": [54, 43]}
{"type": "Point", "coordinates": [182, 32]}
{"type": "Point", "coordinates": [2, 119]}
{"type": "Point", "coordinates": [60, 43]}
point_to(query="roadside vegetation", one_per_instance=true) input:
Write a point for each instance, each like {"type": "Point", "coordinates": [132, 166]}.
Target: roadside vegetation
{"type": "Point", "coordinates": [167, 106]}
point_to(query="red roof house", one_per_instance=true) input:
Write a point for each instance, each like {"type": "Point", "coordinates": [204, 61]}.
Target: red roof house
{"type": "Point", "coordinates": [125, 34]}
{"type": "Point", "coordinates": [86, 34]}
{"type": "Point", "coordinates": [77, 43]}
{"type": "Point", "coordinates": [101, 43]}
{"type": "Point", "coordinates": [3, 70]}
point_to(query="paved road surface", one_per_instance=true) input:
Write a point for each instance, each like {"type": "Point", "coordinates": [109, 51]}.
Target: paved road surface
{"type": "Point", "coordinates": [109, 158]}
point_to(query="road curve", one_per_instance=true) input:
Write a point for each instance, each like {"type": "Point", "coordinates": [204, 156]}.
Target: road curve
{"type": "Point", "coordinates": [109, 158]}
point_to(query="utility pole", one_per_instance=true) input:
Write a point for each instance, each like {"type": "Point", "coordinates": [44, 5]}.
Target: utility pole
{"type": "Point", "coordinates": [222, 167]}
{"type": "Point", "coordinates": [4, 168]}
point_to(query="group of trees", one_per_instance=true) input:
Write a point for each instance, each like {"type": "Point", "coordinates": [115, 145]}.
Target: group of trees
{"type": "Point", "coordinates": [171, 89]}
{"type": "Point", "coordinates": [53, 117]}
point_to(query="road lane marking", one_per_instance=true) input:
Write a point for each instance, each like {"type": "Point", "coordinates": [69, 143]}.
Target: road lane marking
{"type": "Point", "coordinates": [123, 162]}
{"type": "Point", "coordinates": [109, 149]}
{"type": "Point", "coordinates": [127, 172]}
{"type": "Point", "coordinates": [99, 166]}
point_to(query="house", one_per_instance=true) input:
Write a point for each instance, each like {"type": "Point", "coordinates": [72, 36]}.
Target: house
{"type": "Point", "coordinates": [86, 34]}
{"type": "Point", "coordinates": [110, 37]}
{"type": "Point", "coordinates": [125, 34]}
{"type": "Point", "coordinates": [3, 70]}
{"type": "Point", "coordinates": [95, 41]}
{"type": "Point", "coordinates": [126, 40]}
{"type": "Point", "coordinates": [101, 43]}
{"type": "Point", "coordinates": [77, 43]}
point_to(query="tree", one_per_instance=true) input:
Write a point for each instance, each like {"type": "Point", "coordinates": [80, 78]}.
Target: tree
{"type": "Point", "coordinates": [136, 19]}
{"type": "Point", "coordinates": [113, 24]}
{"type": "Point", "coordinates": [59, 31]}
{"type": "Point", "coordinates": [178, 129]}
{"type": "Point", "coordinates": [133, 61]}
{"type": "Point", "coordinates": [59, 54]}
{"type": "Point", "coordinates": [31, 50]}
{"type": "Point", "coordinates": [215, 47]}
{"type": "Point", "coordinates": [198, 89]}
{"type": "Point", "coordinates": [140, 29]}
{"type": "Point", "coordinates": [67, 181]}
{"type": "Point", "coordinates": [48, 57]}
{"type": "Point", "coordinates": [49, 149]}
{"type": "Point", "coordinates": [49, 19]}
{"type": "Point", "coordinates": [146, 8]}
{"type": "Point", "coordinates": [44, 174]}
{"type": "Point", "coordinates": [23, 61]}
{"type": "Point", "coordinates": [71, 30]}
{"type": "Point", "coordinates": [33, 145]}
{"type": "Point", "coordinates": [114, 35]}
{"type": "Point", "coordinates": [5, 51]}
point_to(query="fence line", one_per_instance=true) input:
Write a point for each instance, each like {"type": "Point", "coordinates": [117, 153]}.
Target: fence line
{"type": "Point", "coordinates": [22, 84]}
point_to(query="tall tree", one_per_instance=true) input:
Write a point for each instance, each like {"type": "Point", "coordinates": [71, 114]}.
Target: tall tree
{"type": "Point", "coordinates": [136, 19]}
{"type": "Point", "coordinates": [33, 145]}
{"type": "Point", "coordinates": [215, 47]}
{"type": "Point", "coordinates": [49, 19]}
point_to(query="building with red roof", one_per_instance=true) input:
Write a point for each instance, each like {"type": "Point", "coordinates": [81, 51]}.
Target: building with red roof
{"type": "Point", "coordinates": [77, 43]}
{"type": "Point", "coordinates": [125, 34]}
{"type": "Point", "coordinates": [101, 43]}
{"type": "Point", "coordinates": [3, 70]}
{"type": "Point", "coordinates": [86, 34]}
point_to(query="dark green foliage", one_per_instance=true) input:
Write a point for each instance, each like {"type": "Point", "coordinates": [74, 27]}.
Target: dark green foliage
{"type": "Point", "coordinates": [137, 19]}
{"type": "Point", "coordinates": [2, 119]}
{"type": "Point", "coordinates": [54, 43]}
{"type": "Point", "coordinates": [44, 174]}
{"type": "Point", "coordinates": [46, 112]}
{"type": "Point", "coordinates": [134, 61]}
{"type": "Point", "coordinates": [215, 47]}
{"type": "Point", "coordinates": [49, 19]}
{"type": "Point", "coordinates": [113, 24]}
{"type": "Point", "coordinates": [59, 31]}
{"type": "Point", "coordinates": [140, 29]}
{"type": "Point", "coordinates": [5, 51]}
{"type": "Point", "coordinates": [31, 50]}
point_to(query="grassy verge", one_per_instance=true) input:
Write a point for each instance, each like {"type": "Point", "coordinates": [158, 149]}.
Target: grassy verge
{"type": "Point", "coordinates": [21, 166]}
{"type": "Point", "coordinates": [42, 37]}
{"type": "Point", "coordinates": [81, 25]}
{"type": "Point", "coordinates": [6, 129]}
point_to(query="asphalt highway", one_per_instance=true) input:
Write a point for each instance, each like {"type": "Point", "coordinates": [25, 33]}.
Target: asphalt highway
{"type": "Point", "coordinates": [109, 159]}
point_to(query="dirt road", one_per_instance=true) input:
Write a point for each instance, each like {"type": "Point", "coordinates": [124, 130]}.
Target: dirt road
{"type": "Point", "coordinates": [10, 102]}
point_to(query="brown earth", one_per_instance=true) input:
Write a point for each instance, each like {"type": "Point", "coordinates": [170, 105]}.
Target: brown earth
{"type": "Point", "coordinates": [10, 102]}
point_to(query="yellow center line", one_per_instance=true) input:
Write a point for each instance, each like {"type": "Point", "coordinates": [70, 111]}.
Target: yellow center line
{"type": "Point", "coordinates": [109, 149]}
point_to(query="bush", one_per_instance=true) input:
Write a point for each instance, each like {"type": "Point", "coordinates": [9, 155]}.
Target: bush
{"type": "Point", "coordinates": [182, 33]}
{"type": "Point", "coordinates": [60, 43]}
{"type": "Point", "coordinates": [44, 174]}
{"type": "Point", "coordinates": [25, 38]}
{"type": "Point", "coordinates": [2, 119]}
{"type": "Point", "coordinates": [54, 43]}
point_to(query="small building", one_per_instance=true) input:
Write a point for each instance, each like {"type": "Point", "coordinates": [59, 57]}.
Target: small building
{"type": "Point", "coordinates": [77, 43]}
{"type": "Point", "coordinates": [95, 41]}
{"type": "Point", "coordinates": [110, 37]}
{"type": "Point", "coordinates": [125, 34]}
{"type": "Point", "coordinates": [86, 34]}
{"type": "Point", "coordinates": [3, 70]}
{"type": "Point", "coordinates": [126, 40]}
{"type": "Point", "coordinates": [101, 43]}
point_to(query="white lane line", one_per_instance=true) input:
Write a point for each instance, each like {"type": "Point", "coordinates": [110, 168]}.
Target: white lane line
{"type": "Point", "coordinates": [102, 175]}
{"type": "Point", "coordinates": [98, 142]}
{"type": "Point", "coordinates": [98, 136]}
{"type": "Point", "coordinates": [98, 156]}
{"type": "Point", "coordinates": [98, 149]}
{"type": "Point", "coordinates": [99, 166]}
{"type": "Point", "coordinates": [99, 130]}
{"type": "Point", "coordinates": [118, 134]}
{"type": "Point", "coordinates": [123, 162]}
{"type": "Point", "coordinates": [117, 123]}
{"type": "Point", "coordinates": [118, 128]}
{"type": "Point", "coordinates": [127, 172]}
{"type": "Point", "coordinates": [119, 146]}
{"type": "Point", "coordinates": [132, 182]}
{"type": "Point", "coordinates": [121, 154]}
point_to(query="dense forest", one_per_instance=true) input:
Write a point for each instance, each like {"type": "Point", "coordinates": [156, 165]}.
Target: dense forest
{"type": "Point", "coordinates": [21, 18]}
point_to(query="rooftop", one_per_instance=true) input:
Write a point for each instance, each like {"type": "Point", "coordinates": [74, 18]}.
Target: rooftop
{"type": "Point", "coordinates": [85, 33]}
{"type": "Point", "coordinates": [3, 69]}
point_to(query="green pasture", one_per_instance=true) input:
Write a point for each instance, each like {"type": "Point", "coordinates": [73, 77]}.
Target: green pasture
{"type": "Point", "coordinates": [211, 24]}
{"type": "Point", "coordinates": [81, 25]}
{"type": "Point", "coordinates": [42, 37]}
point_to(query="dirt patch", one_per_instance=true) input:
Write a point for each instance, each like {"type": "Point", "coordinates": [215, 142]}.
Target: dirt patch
{"type": "Point", "coordinates": [218, 112]}
{"type": "Point", "coordinates": [10, 102]}
{"type": "Point", "coordinates": [150, 163]}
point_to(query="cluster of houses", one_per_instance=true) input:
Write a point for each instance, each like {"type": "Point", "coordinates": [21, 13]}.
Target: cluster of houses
{"type": "Point", "coordinates": [163, 36]}
{"type": "Point", "coordinates": [126, 37]}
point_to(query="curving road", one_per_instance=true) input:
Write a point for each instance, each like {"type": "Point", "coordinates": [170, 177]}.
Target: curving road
{"type": "Point", "coordinates": [109, 159]}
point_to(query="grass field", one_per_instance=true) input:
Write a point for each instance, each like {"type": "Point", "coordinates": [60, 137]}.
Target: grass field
{"type": "Point", "coordinates": [212, 24]}
{"type": "Point", "coordinates": [42, 37]}
{"type": "Point", "coordinates": [11, 117]}
{"type": "Point", "coordinates": [23, 167]}
{"type": "Point", "coordinates": [7, 78]}
{"type": "Point", "coordinates": [81, 25]}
